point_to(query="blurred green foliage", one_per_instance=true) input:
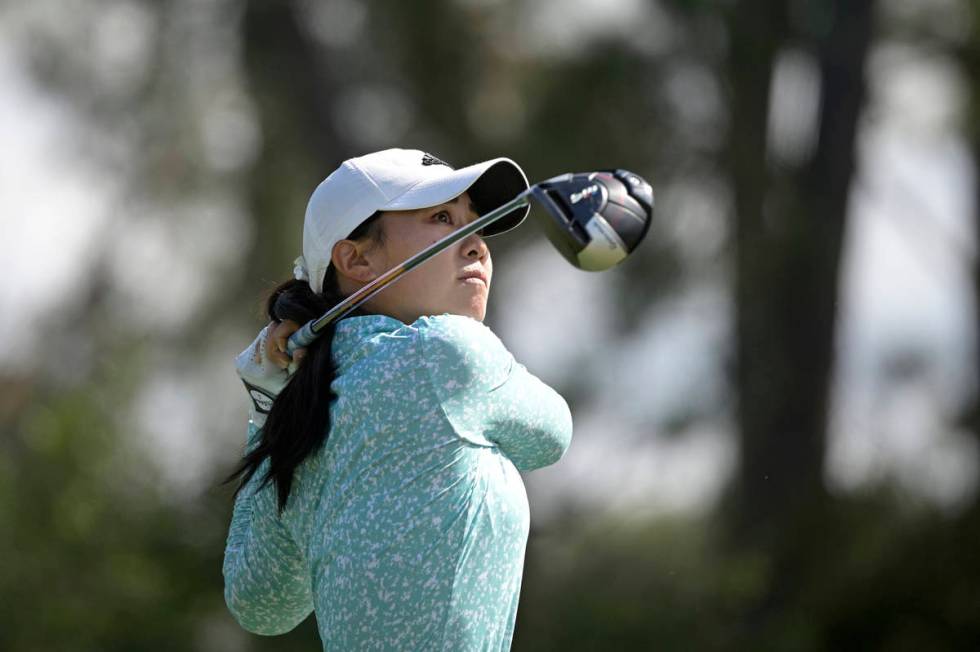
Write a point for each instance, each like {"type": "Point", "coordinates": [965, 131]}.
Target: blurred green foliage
{"type": "Point", "coordinates": [882, 574]}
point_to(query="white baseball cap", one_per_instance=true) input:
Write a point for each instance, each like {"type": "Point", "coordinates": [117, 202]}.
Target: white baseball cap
{"type": "Point", "coordinates": [395, 180]}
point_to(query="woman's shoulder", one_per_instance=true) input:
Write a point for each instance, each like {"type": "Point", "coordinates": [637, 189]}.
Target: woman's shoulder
{"type": "Point", "coordinates": [461, 348]}
{"type": "Point", "coordinates": [462, 334]}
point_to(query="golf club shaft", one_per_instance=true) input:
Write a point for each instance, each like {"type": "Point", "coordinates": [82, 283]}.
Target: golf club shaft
{"type": "Point", "coordinates": [311, 330]}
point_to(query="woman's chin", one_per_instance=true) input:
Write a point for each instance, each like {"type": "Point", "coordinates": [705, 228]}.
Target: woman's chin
{"type": "Point", "coordinates": [476, 310]}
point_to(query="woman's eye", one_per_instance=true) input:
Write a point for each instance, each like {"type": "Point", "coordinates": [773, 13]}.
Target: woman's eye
{"type": "Point", "coordinates": [449, 219]}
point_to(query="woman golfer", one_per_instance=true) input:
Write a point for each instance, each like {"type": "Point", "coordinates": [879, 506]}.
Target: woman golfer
{"type": "Point", "coordinates": [381, 490]}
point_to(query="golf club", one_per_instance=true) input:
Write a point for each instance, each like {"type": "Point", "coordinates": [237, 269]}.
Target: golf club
{"type": "Point", "coordinates": [594, 219]}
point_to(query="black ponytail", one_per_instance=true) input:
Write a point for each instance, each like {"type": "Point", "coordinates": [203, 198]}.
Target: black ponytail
{"type": "Point", "coordinates": [299, 420]}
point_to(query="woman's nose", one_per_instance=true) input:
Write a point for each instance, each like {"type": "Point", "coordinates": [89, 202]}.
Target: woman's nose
{"type": "Point", "coordinates": [475, 247]}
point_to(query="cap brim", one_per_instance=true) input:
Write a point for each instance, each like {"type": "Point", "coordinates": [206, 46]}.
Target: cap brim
{"type": "Point", "coordinates": [490, 184]}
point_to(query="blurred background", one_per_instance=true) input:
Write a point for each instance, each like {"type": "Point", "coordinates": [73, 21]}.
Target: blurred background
{"type": "Point", "coordinates": [775, 398]}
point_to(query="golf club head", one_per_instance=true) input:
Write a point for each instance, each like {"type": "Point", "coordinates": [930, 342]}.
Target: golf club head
{"type": "Point", "coordinates": [595, 219]}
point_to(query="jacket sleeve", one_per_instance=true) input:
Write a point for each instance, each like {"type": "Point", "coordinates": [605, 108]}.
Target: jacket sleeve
{"type": "Point", "coordinates": [267, 581]}
{"type": "Point", "coordinates": [489, 397]}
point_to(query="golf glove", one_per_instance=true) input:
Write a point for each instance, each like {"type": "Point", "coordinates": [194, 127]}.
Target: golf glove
{"type": "Point", "coordinates": [262, 378]}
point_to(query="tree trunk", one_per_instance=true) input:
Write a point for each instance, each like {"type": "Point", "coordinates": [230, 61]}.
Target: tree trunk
{"type": "Point", "coordinates": [789, 231]}
{"type": "Point", "coordinates": [969, 57]}
{"type": "Point", "coordinates": [293, 88]}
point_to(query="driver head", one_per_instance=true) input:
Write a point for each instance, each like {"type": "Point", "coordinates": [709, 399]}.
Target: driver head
{"type": "Point", "coordinates": [595, 219]}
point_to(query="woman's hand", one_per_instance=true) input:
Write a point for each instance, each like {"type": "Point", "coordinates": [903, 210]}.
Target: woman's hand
{"type": "Point", "coordinates": [275, 344]}
{"type": "Point", "coordinates": [265, 368]}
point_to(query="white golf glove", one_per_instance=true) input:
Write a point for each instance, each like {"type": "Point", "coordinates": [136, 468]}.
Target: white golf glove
{"type": "Point", "coordinates": [262, 378]}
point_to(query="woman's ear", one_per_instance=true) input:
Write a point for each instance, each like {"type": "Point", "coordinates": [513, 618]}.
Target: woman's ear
{"type": "Point", "coordinates": [350, 261]}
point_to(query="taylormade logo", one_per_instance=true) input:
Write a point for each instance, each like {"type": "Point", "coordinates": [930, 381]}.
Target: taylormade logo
{"type": "Point", "coordinates": [575, 197]}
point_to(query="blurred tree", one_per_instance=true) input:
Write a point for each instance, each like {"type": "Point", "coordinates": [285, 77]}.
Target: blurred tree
{"type": "Point", "coordinates": [968, 54]}
{"type": "Point", "coordinates": [789, 223]}
{"type": "Point", "coordinates": [293, 87]}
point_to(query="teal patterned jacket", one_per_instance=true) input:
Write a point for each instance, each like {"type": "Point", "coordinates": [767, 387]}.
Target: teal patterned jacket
{"type": "Point", "coordinates": [407, 530]}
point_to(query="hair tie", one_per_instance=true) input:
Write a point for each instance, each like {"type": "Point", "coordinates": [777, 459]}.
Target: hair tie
{"type": "Point", "coordinates": [299, 270]}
